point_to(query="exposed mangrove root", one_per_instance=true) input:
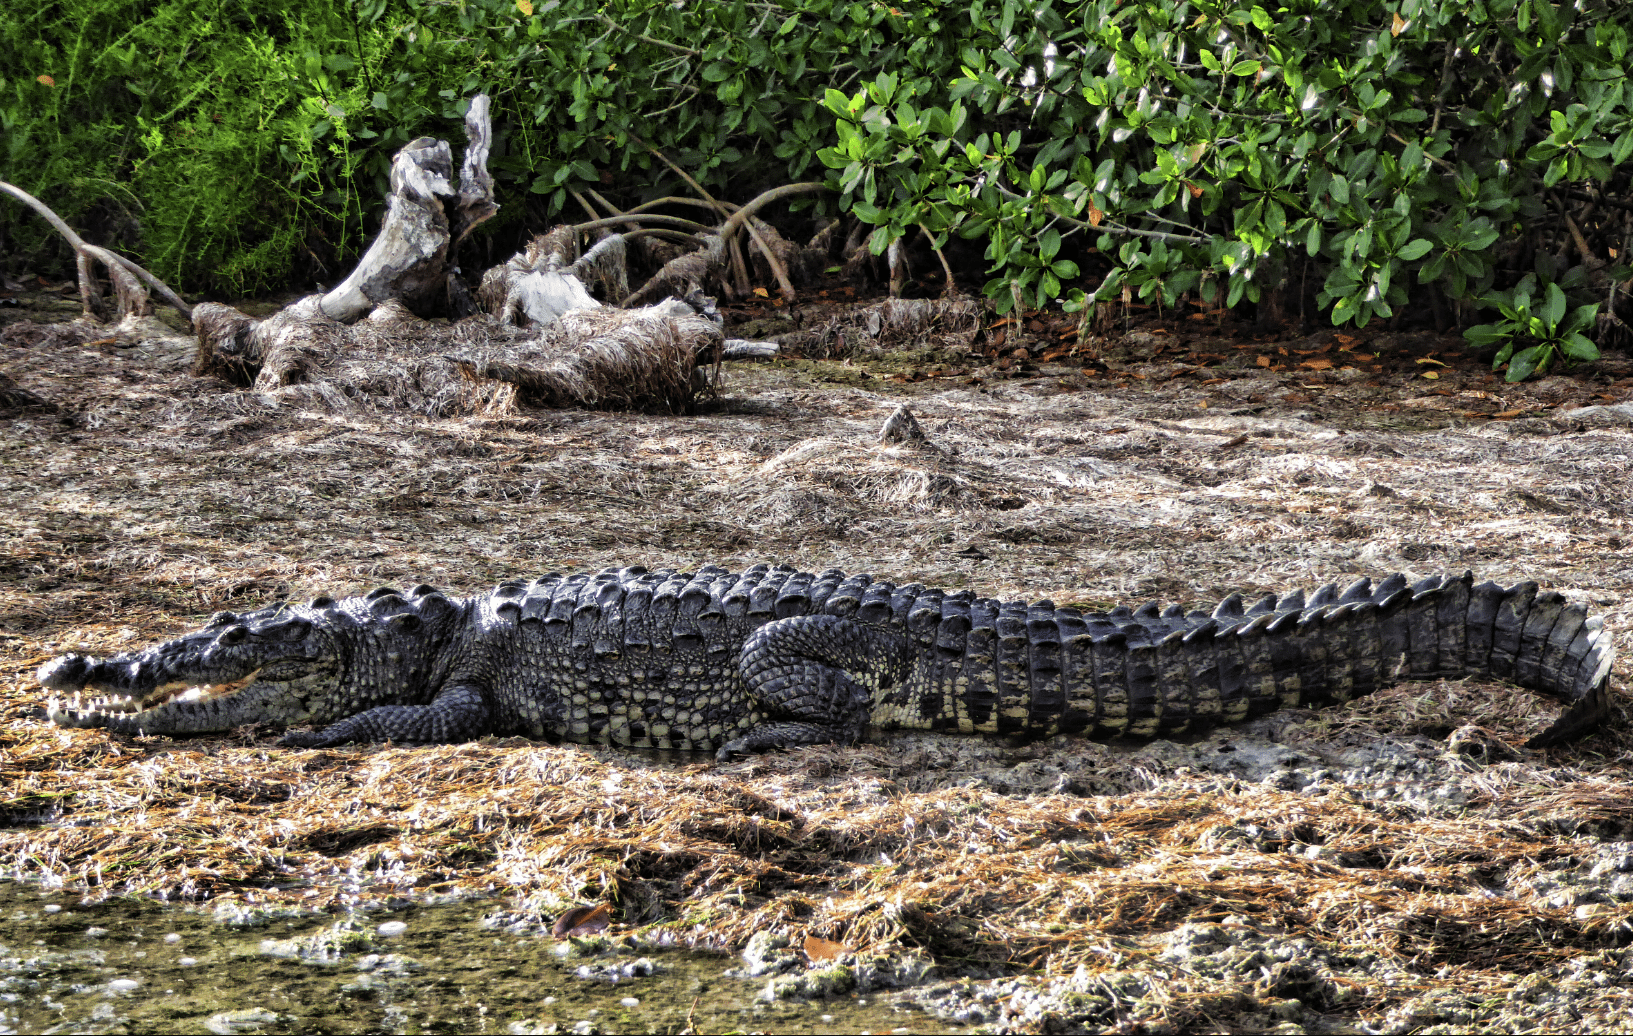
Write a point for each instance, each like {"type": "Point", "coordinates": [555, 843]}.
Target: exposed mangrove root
{"type": "Point", "coordinates": [690, 272]}
{"type": "Point", "coordinates": [125, 275]}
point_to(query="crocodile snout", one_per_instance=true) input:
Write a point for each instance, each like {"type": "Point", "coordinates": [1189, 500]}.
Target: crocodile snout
{"type": "Point", "coordinates": [66, 672]}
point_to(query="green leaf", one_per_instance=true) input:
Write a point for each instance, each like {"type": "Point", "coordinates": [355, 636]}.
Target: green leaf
{"type": "Point", "coordinates": [833, 158]}
{"type": "Point", "coordinates": [866, 213]}
{"type": "Point", "coordinates": [1415, 249]}
{"type": "Point", "coordinates": [1275, 219]}
{"type": "Point", "coordinates": [1343, 310]}
{"type": "Point", "coordinates": [1049, 244]}
{"type": "Point", "coordinates": [1623, 147]}
{"type": "Point", "coordinates": [1553, 310]}
{"type": "Point", "coordinates": [1578, 347]}
{"type": "Point", "coordinates": [883, 88]}
{"type": "Point", "coordinates": [1481, 234]}
{"type": "Point", "coordinates": [1526, 361]}
{"type": "Point", "coordinates": [1581, 317]}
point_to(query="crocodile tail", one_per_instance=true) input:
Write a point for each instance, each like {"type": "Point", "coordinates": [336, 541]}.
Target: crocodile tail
{"type": "Point", "coordinates": [1337, 645]}
{"type": "Point", "coordinates": [1152, 672]}
{"type": "Point", "coordinates": [1544, 642]}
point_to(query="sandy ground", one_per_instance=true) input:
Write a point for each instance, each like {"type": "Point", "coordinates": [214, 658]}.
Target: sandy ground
{"type": "Point", "coordinates": [1424, 867]}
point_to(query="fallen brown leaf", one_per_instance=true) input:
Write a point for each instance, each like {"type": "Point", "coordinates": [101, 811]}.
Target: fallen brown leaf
{"type": "Point", "coordinates": [582, 920]}
{"type": "Point", "coordinates": [823, 949]}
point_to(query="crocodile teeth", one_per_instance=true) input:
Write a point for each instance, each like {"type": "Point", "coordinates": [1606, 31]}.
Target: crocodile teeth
{"type": "Point", "coordinates": [163, 694]}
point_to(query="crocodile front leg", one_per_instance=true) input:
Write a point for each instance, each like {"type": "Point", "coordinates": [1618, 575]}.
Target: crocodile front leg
{"type": "Point", "coordinates": [457, 713]}
{"type": "Point", "coordinates": [815, 676]}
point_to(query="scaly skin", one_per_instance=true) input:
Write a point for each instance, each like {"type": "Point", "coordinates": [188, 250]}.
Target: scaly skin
{"type": "Point", "coordinates": [772, 658]}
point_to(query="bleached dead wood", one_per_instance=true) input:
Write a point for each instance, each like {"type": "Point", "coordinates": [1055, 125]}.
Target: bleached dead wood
{"type": "Point", "coordinates": [744, 349]}
{"type": "Point", "coordinates": [407, 262]}
{"type": "Point", "coordinates": [542, 338]}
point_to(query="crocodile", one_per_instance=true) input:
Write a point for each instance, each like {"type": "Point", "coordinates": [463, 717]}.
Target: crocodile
{"type": "Point", "coordinates": [772, 657]}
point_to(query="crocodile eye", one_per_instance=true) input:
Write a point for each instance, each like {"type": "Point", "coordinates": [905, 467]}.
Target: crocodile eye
{"type": "Point", "coordinates": [295, 629]}
{"type": "Point", "coordinates": [233, 635]}
{"type": "Point", "coordinates": [221, 619]}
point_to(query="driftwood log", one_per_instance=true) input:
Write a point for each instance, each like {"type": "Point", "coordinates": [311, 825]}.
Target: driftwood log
{"type": "Point", "coordinates": [539, 335]}
{"type": "Point", "coordinates": [408, 261]}
{"type": "Point", "coordinates": [553, 325]}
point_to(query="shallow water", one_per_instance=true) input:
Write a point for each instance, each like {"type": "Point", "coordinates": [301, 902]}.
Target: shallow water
{"type": "Point", "coordinates": [132, 966]}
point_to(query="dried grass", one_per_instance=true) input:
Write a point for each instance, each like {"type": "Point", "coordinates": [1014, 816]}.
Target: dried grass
{"type": "Point", "coordinates": [394, 362]}
{"type": "Point", "coordinates": [942, 325]}
{"type": "Point", "coordinates": [156, 497]}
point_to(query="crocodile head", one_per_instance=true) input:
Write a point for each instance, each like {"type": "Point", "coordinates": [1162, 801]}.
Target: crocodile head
{"type": "Point", "coordinates": [282, 664]}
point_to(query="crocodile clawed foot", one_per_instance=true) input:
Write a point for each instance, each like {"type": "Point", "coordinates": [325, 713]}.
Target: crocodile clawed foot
{"type": "Point", "coordinates": [307, 739]}
{"type": "Point", "coordinates": [769, 736]}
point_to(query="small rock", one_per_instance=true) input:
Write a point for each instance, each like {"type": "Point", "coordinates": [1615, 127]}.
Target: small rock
{"type": "Point", "coordinates": [902, 426]}
{"type": "Point", "coordinates": [249, 1019]}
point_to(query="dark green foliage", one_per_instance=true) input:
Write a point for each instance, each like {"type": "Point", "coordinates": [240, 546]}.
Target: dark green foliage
{"type": "Point", "coordinates": [1362, 146]}
{"type": "Point", "coordinates": [1351, 155]}
{"type": "Point", "coordinates": [240, 148]}
{"type": "Point", "coordinates": [1542, 328]}
{"type": "Point", "coordinates": [199, 137]}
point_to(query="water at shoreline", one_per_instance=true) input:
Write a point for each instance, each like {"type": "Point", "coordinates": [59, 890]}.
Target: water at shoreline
{"type": "Point", "coordinates": [130, 966]}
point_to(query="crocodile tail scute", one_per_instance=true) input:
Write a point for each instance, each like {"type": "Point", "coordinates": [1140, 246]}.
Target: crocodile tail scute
{"type": "Point", "coordinates": [1152, 672]}
{"type": "Point", "coordinates": [1340, 646]}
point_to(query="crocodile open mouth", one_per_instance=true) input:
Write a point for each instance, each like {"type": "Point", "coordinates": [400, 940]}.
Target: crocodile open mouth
{"type": "Point", "coordinates": [163, 694]}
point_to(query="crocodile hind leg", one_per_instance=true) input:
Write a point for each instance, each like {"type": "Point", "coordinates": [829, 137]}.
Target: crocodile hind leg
{"type": "Point", "coordinates": [815, 676]}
